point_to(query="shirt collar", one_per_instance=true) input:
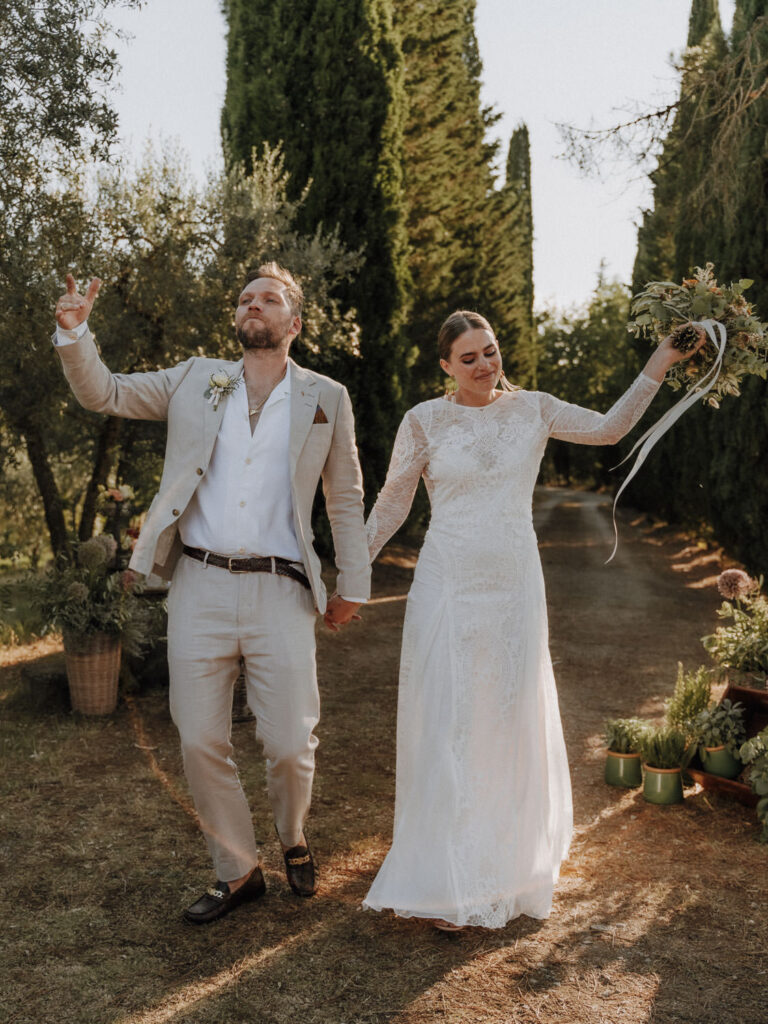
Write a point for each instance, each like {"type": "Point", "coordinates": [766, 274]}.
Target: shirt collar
{"type": "Point", "coordinates": [282, 389]}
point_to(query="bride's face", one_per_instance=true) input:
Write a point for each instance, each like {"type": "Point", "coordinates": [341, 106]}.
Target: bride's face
{"type": "Point", "coordinates": [475, 362]}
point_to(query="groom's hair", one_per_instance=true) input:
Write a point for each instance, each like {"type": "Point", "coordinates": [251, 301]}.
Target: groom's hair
{"type": "Point", "coordinates": [459, 323]}
{"type": "Point", "coordinates": [279, 273]}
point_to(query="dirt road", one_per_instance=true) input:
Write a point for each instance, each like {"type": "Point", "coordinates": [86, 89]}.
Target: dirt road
{"type": "Point", "coordinates": [660, 916]}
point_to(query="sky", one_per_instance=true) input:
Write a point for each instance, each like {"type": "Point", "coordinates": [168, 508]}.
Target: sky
{"type": "Point", "coordinates": [544, 63]}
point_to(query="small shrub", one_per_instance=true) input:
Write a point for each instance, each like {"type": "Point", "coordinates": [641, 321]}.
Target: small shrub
{"type": "Point", "coordinates": [691, 696]}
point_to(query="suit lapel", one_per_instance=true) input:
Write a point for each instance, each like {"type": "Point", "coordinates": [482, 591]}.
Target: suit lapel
{"type": "Point", "coordinates": [303, 407]}
{"type": "Point", "coordinates": [212, 417]}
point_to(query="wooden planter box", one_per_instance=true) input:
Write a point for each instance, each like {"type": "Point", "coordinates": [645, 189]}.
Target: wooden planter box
{"type": "Point", "coordinates": [755, 720]}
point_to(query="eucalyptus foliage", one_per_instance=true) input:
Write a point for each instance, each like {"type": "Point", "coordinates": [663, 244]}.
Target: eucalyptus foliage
{"type": "Point", "coordinates": [663, 306]}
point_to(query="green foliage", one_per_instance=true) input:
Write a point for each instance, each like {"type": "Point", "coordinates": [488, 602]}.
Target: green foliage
{"type": "Point", "coordinates": [710, 194]}
{"type": "Point", "coordinates": [21, 618]}
{"type": "Point", "coordinates": [742, 644]}
{"type": "Point", "coordinates": [56, 67]}
{"type": "Point", "coordinates": [326, 80]}
{"type": "Point", "coordinates": [508, 254]}
{"type": "Point", "coordinates": [754, 752]}
{"type": "Point", "coordinates": [90, 595]}
{"type": "Point", "coordinates": [691, 696]}
{"type": "Point", "coordinates": [452, 207]}
{"type": "Point", "coordinates": [172, 258]}
{"type": "Point", "coordinates": [622, 735]}
{"type": "Point", "coordinates": [665, 747]}
{"type": "Point", "coordinates": [721, 724]}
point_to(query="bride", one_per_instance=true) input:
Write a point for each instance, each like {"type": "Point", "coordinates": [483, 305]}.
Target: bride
{"type": "Point", "coordinates": [483, 813]}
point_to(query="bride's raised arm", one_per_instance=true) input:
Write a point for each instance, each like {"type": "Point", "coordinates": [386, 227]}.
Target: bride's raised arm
{"type": "Point", "coordinates": [568, 422]}
{"type": "Point", "coordinates": [409, 457]}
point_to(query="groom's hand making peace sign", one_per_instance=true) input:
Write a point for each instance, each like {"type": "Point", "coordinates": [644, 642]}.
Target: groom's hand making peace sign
{"type": "Point", "coordinates": [73, 309]}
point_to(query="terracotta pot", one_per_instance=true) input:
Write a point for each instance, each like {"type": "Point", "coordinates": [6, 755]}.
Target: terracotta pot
{"type": "Point", "coordinates": [623, 769]}
{"type": "Point", "coordinates": [663, 785]}
{"type": "Point", "coordinates": [93, 670]}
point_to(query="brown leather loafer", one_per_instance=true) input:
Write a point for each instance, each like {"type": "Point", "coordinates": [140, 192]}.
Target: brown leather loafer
{"type": "Point", "coordinates": [218, 901]}
{"type": "Point", "coordinates": [300, 870]}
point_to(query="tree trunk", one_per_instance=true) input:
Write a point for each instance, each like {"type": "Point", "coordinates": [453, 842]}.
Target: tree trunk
{"type": "Point", "coordinates": [103, 462]}
{"type": "Point", "coordinates": [49, 491]}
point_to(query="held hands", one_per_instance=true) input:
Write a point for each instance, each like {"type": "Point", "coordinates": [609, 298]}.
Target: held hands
{"type": "Point", "coordinates": [72, 309]}
{"type": "Point", "coordinates": [340, 612]}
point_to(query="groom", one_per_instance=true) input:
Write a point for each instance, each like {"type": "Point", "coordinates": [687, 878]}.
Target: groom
{"type": "Point", "coordinates": [247, 443]}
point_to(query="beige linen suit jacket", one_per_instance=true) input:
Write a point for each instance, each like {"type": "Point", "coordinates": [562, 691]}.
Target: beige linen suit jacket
{"type": "Point", "coordinates": [317, 450]}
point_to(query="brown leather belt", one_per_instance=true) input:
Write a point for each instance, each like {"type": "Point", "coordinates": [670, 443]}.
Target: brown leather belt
{"type": "Point", "coordinates": [267, 563]}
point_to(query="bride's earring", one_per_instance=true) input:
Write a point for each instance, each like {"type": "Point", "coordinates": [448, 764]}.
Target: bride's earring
{"type": "Point", "coordinates": [450, 387]}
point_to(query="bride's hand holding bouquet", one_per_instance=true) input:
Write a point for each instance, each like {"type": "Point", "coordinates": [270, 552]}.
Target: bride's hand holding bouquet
{"type": "Point", "coordinates": [737, 341]}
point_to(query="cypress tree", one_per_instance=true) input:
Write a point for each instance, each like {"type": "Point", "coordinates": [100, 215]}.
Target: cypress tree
{"type": "Point", "coordinates": [325, 79]}
{"type": "Point", "coordinates": [713, 468]}
{"type": "Point", "coordinates": [671, 232]}
{"type": "Point", "coordinates": [509, 259]}
{"type": "Point", "coordinates": [448, 176]}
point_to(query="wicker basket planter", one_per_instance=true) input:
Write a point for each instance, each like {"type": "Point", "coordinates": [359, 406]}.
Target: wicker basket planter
{"type": "Point", "coordinates": [93, 669]}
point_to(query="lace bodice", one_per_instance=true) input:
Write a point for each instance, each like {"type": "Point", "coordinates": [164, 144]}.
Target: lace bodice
{"type": "Point", "coordinates": [486, 460]}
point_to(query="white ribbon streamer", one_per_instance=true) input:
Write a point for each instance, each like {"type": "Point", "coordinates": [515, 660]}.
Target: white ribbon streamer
{"type": "Point", "coordinates": [651, 436]}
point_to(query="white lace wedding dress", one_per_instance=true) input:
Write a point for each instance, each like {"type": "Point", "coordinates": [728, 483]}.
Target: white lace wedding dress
{"type": "Point", "coordinates": [483, 812]}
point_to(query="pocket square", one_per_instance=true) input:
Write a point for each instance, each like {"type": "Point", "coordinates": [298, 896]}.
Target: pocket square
{"type": "Point", "coordinates": [320, 416]}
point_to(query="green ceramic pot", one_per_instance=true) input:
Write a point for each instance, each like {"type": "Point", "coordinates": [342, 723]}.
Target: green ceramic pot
{"type": "Point", "coordinates": [719, 761]}
{"type": "Point", "coordinates": [623, 769]}
{"type": "Point", "coordinates": [663, 785]}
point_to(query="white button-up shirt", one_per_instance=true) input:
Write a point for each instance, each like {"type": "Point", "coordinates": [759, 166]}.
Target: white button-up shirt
{"type": "Point", "coordinates": [242, 505]}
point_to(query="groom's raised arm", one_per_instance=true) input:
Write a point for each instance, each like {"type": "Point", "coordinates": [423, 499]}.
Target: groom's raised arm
{"type": "Point", "coordinates": [142, 396]}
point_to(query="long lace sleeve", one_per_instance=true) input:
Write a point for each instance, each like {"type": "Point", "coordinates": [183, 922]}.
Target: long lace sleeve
{"type": "Point", "coordinates": [568, 422]}
{"type": "Point", "coordinates": [409, 457]}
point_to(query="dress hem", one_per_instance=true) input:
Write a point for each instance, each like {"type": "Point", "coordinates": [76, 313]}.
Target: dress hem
{"type": "Point", "coordinates": [460, 920]}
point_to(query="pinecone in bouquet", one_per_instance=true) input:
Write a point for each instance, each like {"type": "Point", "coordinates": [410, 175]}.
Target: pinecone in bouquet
{"type": "Point", "coordinates": [664, 309]}
{"type": "Point", "coordinates": [684, 337]}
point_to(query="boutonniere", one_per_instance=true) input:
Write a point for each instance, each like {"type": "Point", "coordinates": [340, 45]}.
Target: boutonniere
{"type": "Point", "coordinates": [220, 384]}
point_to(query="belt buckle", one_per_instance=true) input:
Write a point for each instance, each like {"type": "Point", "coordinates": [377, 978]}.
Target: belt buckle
{"type": "Point", "coordinates": [235, 572]}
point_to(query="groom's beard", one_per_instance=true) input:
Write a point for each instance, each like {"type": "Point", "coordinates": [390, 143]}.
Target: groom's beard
{"type": "Point", "coordinates": [259, 335]}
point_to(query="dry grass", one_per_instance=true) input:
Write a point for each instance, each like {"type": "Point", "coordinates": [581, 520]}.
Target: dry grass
{"type": "Point", "coordinates": [660, 915]}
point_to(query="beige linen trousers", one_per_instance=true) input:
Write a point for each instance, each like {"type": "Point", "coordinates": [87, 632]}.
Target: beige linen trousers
{"type": "Point", "coordinates": [216, 617]}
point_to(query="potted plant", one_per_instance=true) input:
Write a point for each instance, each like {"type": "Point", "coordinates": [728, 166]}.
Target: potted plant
{"type": "Point", "coordinates": [718, 732]}
{"type": "Point", "coordinates": [692, 694]}
{"type": "Point", "coordinates": [665, 752]}
{"type": "Point", "coordinates": [96, 608]}
{"type": "Point", "coordinates": [741, 645]}
{"type": "Point", "coordinates": [622, 741]}
{"type": "Point", "coordinates": [754, 752]}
